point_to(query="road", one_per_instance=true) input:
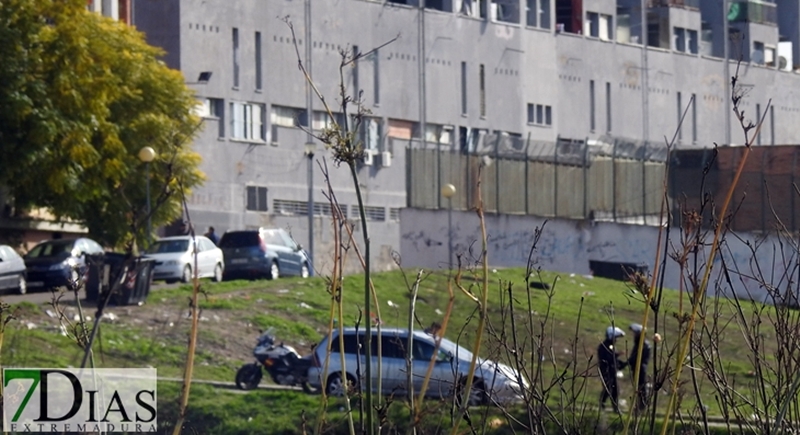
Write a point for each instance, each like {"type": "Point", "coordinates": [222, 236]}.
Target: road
{"type": "Point", "coordinates": [41, 297]}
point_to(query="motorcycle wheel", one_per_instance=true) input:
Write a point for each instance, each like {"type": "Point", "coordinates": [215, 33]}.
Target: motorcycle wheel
{"type": "Point", "coordinates": [309, 389]}
{"type": "Point", "coordinates": [248, 377]}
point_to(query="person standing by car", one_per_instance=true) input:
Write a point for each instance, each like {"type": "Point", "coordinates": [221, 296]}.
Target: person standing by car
{"type": "Point", "coordinates": [641, 383]}
{"type": "Point", "coordinates": [212, 235]}
{"type": "Point", "coordinates": [610, 362]}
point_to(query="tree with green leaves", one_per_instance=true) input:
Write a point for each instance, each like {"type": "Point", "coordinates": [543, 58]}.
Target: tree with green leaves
{"type": "Point", "coordinates": [80, 96]}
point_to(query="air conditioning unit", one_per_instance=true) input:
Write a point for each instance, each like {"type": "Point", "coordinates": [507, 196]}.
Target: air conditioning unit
{"type": "Point", "coordinates": [386, 159]}
{"type": "Point", "coordinates": [368, 157]}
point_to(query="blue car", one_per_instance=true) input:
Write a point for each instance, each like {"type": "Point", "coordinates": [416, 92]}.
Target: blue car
{"type": "Point", "coordinates": [56, 263]}
{"type": "Point", "coordinates": [263, 253]}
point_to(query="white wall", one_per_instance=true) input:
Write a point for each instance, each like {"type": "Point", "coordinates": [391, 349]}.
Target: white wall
{"type": "Point", "coordinates": [568, 246]}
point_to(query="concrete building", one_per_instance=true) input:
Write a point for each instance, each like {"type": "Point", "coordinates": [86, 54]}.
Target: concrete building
{"type": "Point", "coordinates": [450, 72]}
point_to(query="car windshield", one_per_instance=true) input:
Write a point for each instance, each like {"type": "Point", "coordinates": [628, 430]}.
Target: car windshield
{"type": "Point", "coordinates": [239, 239]}
{"type": "Point", "coordinates": [51, 249]}
{"type": "Point", "coordinates": [168, 246]}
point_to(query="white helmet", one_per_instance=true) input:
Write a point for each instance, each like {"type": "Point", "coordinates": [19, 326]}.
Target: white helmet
{"type": "Point", "coordinates": [613, 332]}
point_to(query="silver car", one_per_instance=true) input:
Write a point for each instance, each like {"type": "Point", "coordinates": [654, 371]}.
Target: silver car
{"type": "Point", "coordinates": [174, 259]}
{"type": "Point", "coordinates": [12, 270]}
{"type": "Point", "coordinates": [493, 382]}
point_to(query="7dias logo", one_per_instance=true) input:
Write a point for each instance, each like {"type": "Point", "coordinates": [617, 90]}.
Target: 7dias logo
{"type": "Point", "coordinates": [73, 400]}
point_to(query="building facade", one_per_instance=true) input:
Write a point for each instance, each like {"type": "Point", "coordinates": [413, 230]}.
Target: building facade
{"type": "Point", "coordinates": [450, 72]}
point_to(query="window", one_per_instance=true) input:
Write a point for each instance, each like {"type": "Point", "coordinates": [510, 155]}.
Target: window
{"type": "Point", "coordinates": [604, 27]}
{"type": "Point", "coordinates": [247, 121]}
{"type": "Point", "coordinates": [394, 214]}
{"type": "Point", "coordinates": [321, 120]}
{"type": "Point", "coordinates": [352, 344]}
{"type": "Point", "coordinates": [506, 11]}
{"type": "Point", "coordinates": [691, 41]}
{"type": "Point", "coordinates": [356, 84]}
{"type": "Point", "coordinates": [544, 14]}
{"type": "Point", "coordinates": [464, 88]}
{"type": "Point", "coordinates": [539, 114]}
{"type": "Point", "coordinates": [235, 57]}
{"type": "Point", "coordinates": [371, 133]}
{"type": "Point", "coordinates": [591, 105]}
{"type": "Point", "coordinates": [531, 11]}
{"type": "Point", "coordinates": [694, 119]}
{"type": "Point", "coordinates": [758, 53]}
{"type": "Point", "coordinates": [257, 198]}
{"type": "Point", "coordinates": [282, 116]}
{"type": "Point", "coordinates": [438, 133]}
{"type": "Point", "coordinates": [258, 61]}
{"type": "Point", "coordinates": [608, 107]}
{"type": "Point", "coordinates": [213, 108]}
{"type": "Point", "coordinates": [482, 79]}
{"type": "Point", "coordinates": [771, 125]}
{"type": "Point", "coordinates": [592, 24]}
{"type": "Point", "coordinates": [679, 36]}
{"type": "Point", "coordinates": [757, 120]}
{"type": "Point", "coordinates": [473, 8]}
{"type": "Point", "coordinates": [680, 113]}
{"type": "Point", "coordinates": [376, 76]}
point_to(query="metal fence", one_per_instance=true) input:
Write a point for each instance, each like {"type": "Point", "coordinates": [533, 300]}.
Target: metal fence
{"type": "Point", "coordinates": [606, 179]}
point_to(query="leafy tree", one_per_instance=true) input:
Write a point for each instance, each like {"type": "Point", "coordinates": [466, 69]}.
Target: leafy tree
{"type": "Point", "coordinates": [81, 94]}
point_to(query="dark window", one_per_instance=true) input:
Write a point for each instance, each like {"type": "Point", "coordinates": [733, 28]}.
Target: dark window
{"type": "Point", "coordinates": [352, 344]}
{"type": "Point", "coordinates": [482, 79]}
{"type": "Point", "coordinates": [376, 76]}
{"type": "Point", "coordinates": [680, 113]}
{"type": "Point", "coordinates": [258, 60]}
{"type": "Point", "coordinates": [531, 117]}
{"type": "Point", "coordinates": [423, 350]}
{"type": "Point", "coordinates": [235, 57]}
{"type": "Point", "coordinates": [256, 198]}
{"type": "Point", "coordinates": [758, 119]}
{"type": "Point", "coordinates": [608, 107]}
{"type": "Point", "coordinates": [463, 88]}
{"type": "Point", "coordinates": [591, 105]}
{"type": "Point", "coordinates": [694, 119]}
{"type": "Point", "coordinates": [238, 239]}
{"type": "Point", "coordinates": [392, 346]}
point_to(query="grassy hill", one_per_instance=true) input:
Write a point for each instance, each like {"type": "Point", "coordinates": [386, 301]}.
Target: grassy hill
{"type": "Point", "coordinates": [558, 331]}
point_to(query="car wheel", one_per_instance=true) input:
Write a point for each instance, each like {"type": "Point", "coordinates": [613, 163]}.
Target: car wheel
{"type": "Point", "coordinates": [304, 271]}
{"type": "Point", "coordinates": [274, 270]}
{"type": "Point", "coordinates": [22, 284]}
{"type": "Point", "coordinates": [218, 273]}
{"type": "Point", "coordinates": [477, 394]}
{"type": "Point", "coordinates": [186, 276]}
{"type": "Point", "coordinates": [338, 386]}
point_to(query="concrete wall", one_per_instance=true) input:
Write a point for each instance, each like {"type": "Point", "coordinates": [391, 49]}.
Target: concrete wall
{"type": "Point", "coordinates": [568, 246]}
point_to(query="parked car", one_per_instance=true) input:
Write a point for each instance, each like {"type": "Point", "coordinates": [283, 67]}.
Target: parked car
{"type": "Point", "coordinates": [12, 270]}
{"type": "Point", "coordinates": [174, 259]}
{"type": "Point", "coordinates": [493, 382]}
{"type": "Point", "coordinates": [56, 263]}
{"type": "Point", "coordinates": [264, 252]}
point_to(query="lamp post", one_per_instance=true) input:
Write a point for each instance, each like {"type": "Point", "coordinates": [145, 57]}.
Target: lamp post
{"type": "Point", "coordinates": [310, 147]}
{"type": "Point", "coordinates": [448, 191]}
{"type": "Point", "coordinates": [147, 155]}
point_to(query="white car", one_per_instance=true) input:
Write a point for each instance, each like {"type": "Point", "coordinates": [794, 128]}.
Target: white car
{"type": "Point", "coordinates": [174, 259]}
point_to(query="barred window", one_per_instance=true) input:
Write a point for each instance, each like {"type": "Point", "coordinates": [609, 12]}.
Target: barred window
{"type": "Point", "coordinates": [257, 198]}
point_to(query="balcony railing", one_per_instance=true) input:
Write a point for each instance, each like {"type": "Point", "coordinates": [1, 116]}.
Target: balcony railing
{"type": "Point", "coordinates": [689, 4]}
{"type": "Point", "coordinates": [753, 12]}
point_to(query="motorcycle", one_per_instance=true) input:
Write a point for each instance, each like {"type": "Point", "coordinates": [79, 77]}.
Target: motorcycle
{"type": "Point", "coordinates": [284, 365]}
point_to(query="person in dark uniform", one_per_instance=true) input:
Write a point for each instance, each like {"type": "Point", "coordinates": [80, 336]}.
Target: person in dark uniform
{"type": "Point", "coordinates": [610, 361]}
{"type": "Point", "coordinates": [641, 383]}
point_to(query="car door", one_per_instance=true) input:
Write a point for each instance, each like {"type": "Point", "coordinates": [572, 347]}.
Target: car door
{"type": "Point", "coordinates": [440, 382]}
{"type": "Point", "coordinates": [285, 254]}
{"type": "Point", "coordinates": [205, 258]}
{"type": "Point", "coordinates": [393, 364]}
{"type": "Point", "coordinates": [5, 268]}
{"type": "Point", "coordinates": [297, 256]}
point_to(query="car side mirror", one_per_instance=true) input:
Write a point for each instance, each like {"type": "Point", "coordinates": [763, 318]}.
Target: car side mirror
{"type": "Point", "coordinates": [299, 247]}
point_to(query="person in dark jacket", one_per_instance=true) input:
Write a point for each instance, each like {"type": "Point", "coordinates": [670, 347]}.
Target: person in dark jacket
{"type": "Point", "coordinates": [610, 361]}
{"type": "Point", "coordinates": [641, 383]}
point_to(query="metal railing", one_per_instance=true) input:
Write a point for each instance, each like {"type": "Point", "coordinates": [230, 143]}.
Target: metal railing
{"type": "Point", "coordinates": [753, 12]}
{"type": "Point", "coordinates": [692, 4]}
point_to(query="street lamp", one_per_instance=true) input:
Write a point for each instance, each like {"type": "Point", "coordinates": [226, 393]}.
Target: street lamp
{"type": "Point", "coordinates": [310, 147]}
{"type": "Point", "coordinates": [147, 155]}
{"type": "Point", "coordinates": [448, 191]}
